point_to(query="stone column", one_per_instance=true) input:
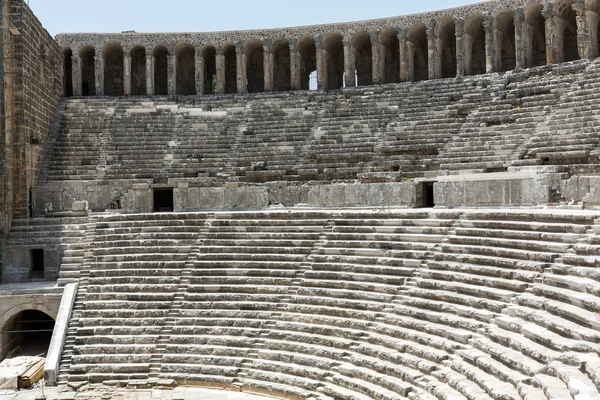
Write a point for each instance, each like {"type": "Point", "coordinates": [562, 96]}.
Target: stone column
{"type": "Point", "coordinates": [321, 63]}
{"type": "Point", "coordinates": [349, 63]}
{"type": "Point", "coordinates": [294, 65]}
{"type": "Point", "coordinates": [220, 64]}
{"type": "Point", "coordinates": [200, 68]}
{"type": "Point", "coordinates": [490, 48]}
{"type": "Point", "coordinates": [402, 39]}
{"type": "Point", "coordinates": [376, 56]}
{"type": "Point", "coordinates": [149, 73]}
{"type": "Point", "coordinates": [242, 86]}
{"type": "Point", "coordinates": [551, 51]}
{"type": "Point", "coordinates": [432, 49]}
{"type": "Point", "coordinates": [99, 72]}
{"type": "Point", "coordinates": [267, 65]}
{"type": "Point", "coordinates": [584, 30]}
{"type": "Point", "coordinates": [126, 72]}
{"type": "Point", "coordinates": [171, 73]}
{"type": "Point", "coordinates": [459, 26]}
{"type": "Point", "coordinates": [76, 75]}
{"type": "Point", "coordinates": [519, 16]}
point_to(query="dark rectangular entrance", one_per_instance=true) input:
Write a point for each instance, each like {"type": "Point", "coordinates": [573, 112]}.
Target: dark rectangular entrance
{"type": "Point", "coordinates": [37, 263]}
{"type": "Point", "coordinates": [426, 195]}
{"type": "Point", "coordinates": [163, 200]}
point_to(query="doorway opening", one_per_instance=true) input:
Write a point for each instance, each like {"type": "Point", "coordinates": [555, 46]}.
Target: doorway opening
{"type": "Point", "coordinates": [37, 263]}
{"type": "Point", "coordinates": [427, 196]}
{"type": "Point", "coordinates": [27, 334]}
{"type": "Point", "coordinates": [163, 200]}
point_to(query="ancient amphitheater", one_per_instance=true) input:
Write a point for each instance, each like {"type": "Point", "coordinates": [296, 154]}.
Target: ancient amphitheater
{"type": "Point", "coordinates": [387, 209]}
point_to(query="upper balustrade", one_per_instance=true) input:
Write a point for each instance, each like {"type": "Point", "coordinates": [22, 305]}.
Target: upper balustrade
{"type": "Point", "coordinates": [493, 36]}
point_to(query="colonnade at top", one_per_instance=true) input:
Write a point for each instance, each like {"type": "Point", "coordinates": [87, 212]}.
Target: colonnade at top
{"type": "Point", "coordinates": [506, 39]}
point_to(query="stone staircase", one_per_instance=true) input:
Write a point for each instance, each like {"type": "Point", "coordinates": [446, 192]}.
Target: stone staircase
{"type": "Point", "coordinates": [346, 304]}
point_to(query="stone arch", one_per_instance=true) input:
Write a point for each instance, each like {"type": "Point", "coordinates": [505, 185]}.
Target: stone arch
{"type": "Point", "coordinates": [307, 52]}
{"type": "Point", "coordinates": [390, 50]}
{"type": "Point", "coordinates": [566, 34]}
{"type": "Point", "coordinates": [138, 71]}
{"type": "Point", "coordinates": [363, 58]}
{"type": "Point", "coordinates": [418, 54]}
{"type": "Point", "coordinates": [474, 42]}
{"type": "Point", "coordinates": [209, 54]}
{"type": "Point", "coordinates": [87, 56]}
{"type": "Point", "coordinates": [161, 70]}
{"type": "Point", "coordinates": [255, 71]}
{"type": "Point", "coordinates": [67, 72]}
{"type": "Point", "coordinates": [535, 41]}
{"type": "Point", "coordinates": [185, 69]}
{"type": "Point", "coordinates": [505, 40]}
{"type": "Point", "coordinates": [446, 34]}
{"type": "Point", "coordinates": [280, 53]}
{"type": "Point", "coordinates": [10, 322]}
{"type": "Point", "coordinates": [112, 54]}
{"type": "Point", "coordinates": [333, 48]}
{"type": "Point", "coordinates": [229, 54]}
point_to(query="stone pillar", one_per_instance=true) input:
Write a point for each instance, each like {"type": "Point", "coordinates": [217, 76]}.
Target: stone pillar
{"type": "Point", "coordinates": [200, 68]}
{"type": "Point", "coordinates": [76, 75]}
{"type": "Point", "coordinates": [410, 61]}
{"type": "Point", "coordinates": [126, 72]}
{"type": "Point", "coordinates": [459, 26]}
{"type": "Point", "coordinates": [220, 64]}
{"type": "Point", "coordinates": [432, 49]}
{"type": "Point", "coordinates": [171, 73]}
{"type": "Point", "coordinates": [402, 40]}
{"type": "Point", "coordinates": [268, 65]}
{"type": "Point", "coordinates": [551, 51]}
{"type": "Point", "coordinates": [294, 65]}
{"type": "Point", "coordinates": [149, 73]}
{"type": "Point", "coordinates": [242, 86]}
{"type": "Point", "coordinates": [376, 55]}
{"type": "Point", "coordinates": [519, 16]}
{"type": "Point", "coordinates": [99, 72]}
{"type": "Point", "coordinates": [321, 63]}
{"type": "Point", "coordinates": [490, 48]}
{"type": "Point", "coordinates": [349, 63]}
{"type": "Point", "coordinates": [584, 30]}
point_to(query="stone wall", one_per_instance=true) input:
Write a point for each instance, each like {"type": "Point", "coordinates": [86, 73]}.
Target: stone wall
{"type": "Point", "coordinates": [33, 76]}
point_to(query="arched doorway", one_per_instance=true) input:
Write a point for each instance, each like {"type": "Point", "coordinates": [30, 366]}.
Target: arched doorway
{"type": "Point", "coordinates": [447, 48]}
{"type": "Point", "coordinates": [569, 47]}
{"type": "Point", "coordinates": [209, 54]}
{"type": "Point", "coordinates": [113, 69]}
{"type": "Point", "coordinates": [255, 72]}
{"type": "Point", "coordinates": [138, 71]}
{"type": "Point", "coordinates": [474, 42]}
{"type": "Point", "coordinates": [418, 55]}
{"type": "Point", "coordinates": [68, 72]}
{"type": "Point", "coordinates": [229, 53]}
{"type": "Point", "coordinates": [185, 55]}
{"type": "Point", "coordinates": [334, 60]}
{"type": "Point", "coordinates": [308, 61]}
{"type": "Point", "coordinates": [281, 65]}
{"type": "Point", "coordinates": [161, 71]}
{"type": "Point", "coordinates": [87, 56]}
{"type": "Point", "coordinates": [391, 55]}
{"type": "Point", "coordinates": [363, 58]}
{"type": "Point", "coordinates": [505, 26]}
{"type": "Point", "coordinates": [27, 333]}
{"type": "Point", "coordinates": [535, 49]}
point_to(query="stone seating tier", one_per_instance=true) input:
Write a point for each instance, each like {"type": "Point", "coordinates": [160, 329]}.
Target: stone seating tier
{"type": "Point", "coordinates": [343, 304]}
{"type": "Point", "coordinates": [483, 123]}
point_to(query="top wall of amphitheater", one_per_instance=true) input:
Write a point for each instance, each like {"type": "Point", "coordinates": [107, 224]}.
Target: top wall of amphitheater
{"type": "Point", "coordinates": [493, 36]}
{"type": "Point", "coordinates": [75, 40]}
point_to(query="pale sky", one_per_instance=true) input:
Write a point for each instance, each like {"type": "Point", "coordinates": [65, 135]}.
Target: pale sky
{"type": "Point", "coordinates": [107, 16]}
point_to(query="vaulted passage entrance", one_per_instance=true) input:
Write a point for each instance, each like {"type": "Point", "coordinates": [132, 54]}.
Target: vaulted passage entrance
{"type": "Point", "coordinates": [28, 333]}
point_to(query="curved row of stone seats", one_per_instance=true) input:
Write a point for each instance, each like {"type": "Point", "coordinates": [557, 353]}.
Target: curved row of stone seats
{"type": "Point", "coordinates": [61, 237]}
{"type": "Point", "coordinates": [486, 273]}
{"type": "Point", "coordinates": [345, 305]}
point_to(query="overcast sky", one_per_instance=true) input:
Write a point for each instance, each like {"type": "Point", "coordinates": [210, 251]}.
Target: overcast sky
{"type": "Point", "coordinates": [203, 16]}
